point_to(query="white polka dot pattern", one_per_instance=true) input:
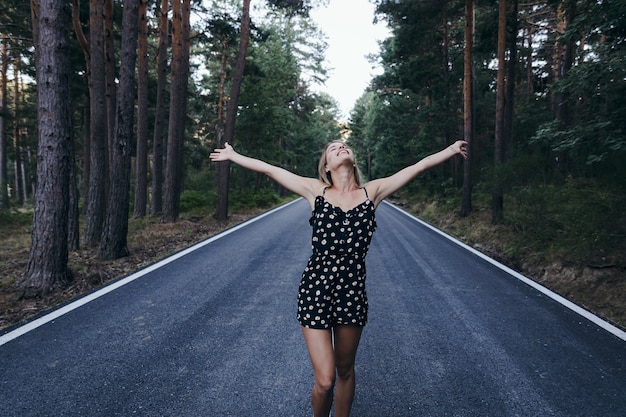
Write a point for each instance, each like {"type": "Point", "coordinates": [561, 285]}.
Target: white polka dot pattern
{"type": "Point", "coordinates": [332, 290]}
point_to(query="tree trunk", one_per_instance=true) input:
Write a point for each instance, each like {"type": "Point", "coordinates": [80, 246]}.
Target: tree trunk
{"type": "Point", "coordinates": [47, 264]}
{"type": "Point", "coordinates": [223, 168]}
{"type": "Point", "coordinates": [563, 60]}
{"type": "Point", "coordinates": [114, 238]}
{"type": "Point", "coordinates": [563, 55]}
{"type": "Point", "coordinates": [496, 194]}
{"type": "Point", "coordinates": [17, 146]}
{"type": "Point", "coordinates": [97, 113]}
{"type": "Point", "coordinates": [84, 43]}
{"type": "Point", "coordinates": [4, 170]}
{"type": "Point", "coordinates": [178, 109]}
{"type": "Point", "coordinates": [141, 161]}
{"type": "Point", "coordinates": [110, 73]}
{"type": "Point", "coordinates": [510, 84]}
{"type": "Point", "coordinates": [160, 113]}
{"type": "Point", "coordinates": [73, 221]}
{"type": "Point", "coordinates": [86, 151]}
{"type": "Point", "coordinates": [468, 107]}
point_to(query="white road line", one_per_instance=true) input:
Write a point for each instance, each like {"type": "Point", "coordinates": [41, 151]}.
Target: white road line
{"type": "Point", "coordinates": [115, 285]}
{"type": "Point", "coordinates": [556, 297]}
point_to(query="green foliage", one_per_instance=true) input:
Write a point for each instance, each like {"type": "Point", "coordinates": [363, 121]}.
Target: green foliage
{"type": "Point", "coordinates": [590, 131]}
{"type": "Point", "coordinates": [596, 124]}
{"type": "Point", "coordinates": [578, 221]}
{"type": "Point", "coordinates": [201, 179]}
{"type": "Point", "coordinates": [12, 218]}
{"type": "Point", "coordinates": [197, 203]}
{"type": "Point", "coordinates": [563, 176]}
{"type": "Point", "coordinates": [292, 7]}
{"type": "Point", "coordinates": [279, 120]}
{"type": "Point", "coordinates": [249, 199]}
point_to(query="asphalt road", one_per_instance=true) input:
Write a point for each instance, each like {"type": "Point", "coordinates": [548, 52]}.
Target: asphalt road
{"type": "Point", "coordinates": [213, 333]}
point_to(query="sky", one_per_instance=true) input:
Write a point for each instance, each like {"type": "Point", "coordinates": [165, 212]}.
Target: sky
{"type": "Point", "coordinates": [351, 36]}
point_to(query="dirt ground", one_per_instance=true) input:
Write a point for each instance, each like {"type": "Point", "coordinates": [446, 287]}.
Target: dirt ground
{"type": "Point", "coordinates": [600, 289]}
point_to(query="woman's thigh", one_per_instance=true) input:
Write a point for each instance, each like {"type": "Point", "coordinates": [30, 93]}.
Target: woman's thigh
{"type": "Point", "coordinates": [319, 343]}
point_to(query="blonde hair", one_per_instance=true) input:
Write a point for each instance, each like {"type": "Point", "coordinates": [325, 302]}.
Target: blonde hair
{"type": "Point", "coordinates": [325, 175]}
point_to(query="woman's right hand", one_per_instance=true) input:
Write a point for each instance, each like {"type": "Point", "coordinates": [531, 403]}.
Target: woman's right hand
{"type": "Point", "coordinates": [222, 154]}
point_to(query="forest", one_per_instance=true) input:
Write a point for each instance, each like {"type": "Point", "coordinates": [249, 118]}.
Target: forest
{"type": "Point", "coordinates": [109, 109]}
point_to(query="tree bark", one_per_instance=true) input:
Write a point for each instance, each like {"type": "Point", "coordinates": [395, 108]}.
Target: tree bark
{"type": "Point", "coordinates": [510, 83]}
{"type": "Point", "coordinates": [178, 108]}
{"type": "Point", "coordinates": [98, 127]}
{"type": "Point", "coordinates": [73, 220]}
{"type": "Point", "coordinates": [17, 146]}
{"type": "Point", "coordinates": [223, 168]}
{"type": "Point", "coordinates": [114, 238]}
{"type": "Point", "coordinates": [4, 171]}
{"type": "Point", "coordinates": [84, 44]}
{"type": "Point", "coordinates": [86, 151]}
{"type": "Point", "coordinates": [47, 264]}
{"type": "Point", "coordinates": [468, 107]}
{"type": "Point", "coordinates": [496, 194]}
{"type": "Point", "coordinates": [141, 161]}
{"type": "Point", "coordinates": [110, 73]}
{"type": "Point", "coordinates": [160, 113]}
{"type": "Point", "coordinates": [563, 56]}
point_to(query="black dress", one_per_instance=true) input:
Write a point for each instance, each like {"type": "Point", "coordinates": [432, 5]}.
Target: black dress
{"type": "Point", "coordinates": [332, 290]}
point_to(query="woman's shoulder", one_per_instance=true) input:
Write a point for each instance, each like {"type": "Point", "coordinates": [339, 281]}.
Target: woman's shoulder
{"type": "Point", "coordinates": [372, 188]}
{"type": "Point", "coordinates": [320, 188]}
{"type": "Point", "coordinates": [317, 190]}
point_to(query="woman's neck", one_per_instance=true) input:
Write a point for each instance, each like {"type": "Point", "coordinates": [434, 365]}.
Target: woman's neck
{"type": "Point", "coordinates": [343, 180]}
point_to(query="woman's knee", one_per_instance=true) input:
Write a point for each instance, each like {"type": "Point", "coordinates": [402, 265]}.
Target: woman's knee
{"type": "Point", "coordinates": [325, 382]}
{"type": "Point", "coordinates": [345, 371]}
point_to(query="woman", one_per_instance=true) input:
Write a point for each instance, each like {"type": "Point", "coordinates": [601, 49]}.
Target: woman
{"type": "Point", "coordinates": [332, 302]}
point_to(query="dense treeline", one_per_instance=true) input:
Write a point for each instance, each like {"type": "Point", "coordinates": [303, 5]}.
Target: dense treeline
{"type": "Point", "coordinates": [537, 88]}
{"type": "Point", "coordinates": [151, 88]}
{"type": "Point", "coordinates": [547, 111]}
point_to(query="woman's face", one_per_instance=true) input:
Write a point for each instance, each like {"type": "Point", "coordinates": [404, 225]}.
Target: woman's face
{"type": "Point", "coordinates": [337, 153]}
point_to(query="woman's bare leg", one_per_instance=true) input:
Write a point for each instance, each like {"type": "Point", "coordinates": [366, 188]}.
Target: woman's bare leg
{"type": "Point", "coordinates": [320, 346]}
{"type": "Point", "coordinates": [346, 343]}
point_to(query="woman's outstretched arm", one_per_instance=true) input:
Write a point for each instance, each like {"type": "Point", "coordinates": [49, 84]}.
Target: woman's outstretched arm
{"type": "Point", "coordinates": [303, 186]}
{"type": "Point", "coordinates": [384, 187]}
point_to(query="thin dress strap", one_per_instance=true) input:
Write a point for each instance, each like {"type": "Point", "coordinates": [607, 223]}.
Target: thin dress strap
{"type": "Point", "coordinates": [367, 196]}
